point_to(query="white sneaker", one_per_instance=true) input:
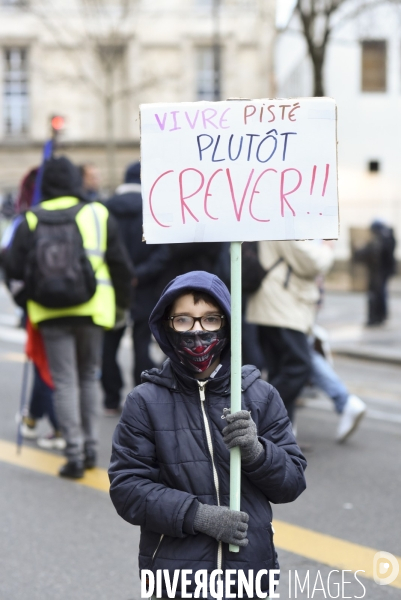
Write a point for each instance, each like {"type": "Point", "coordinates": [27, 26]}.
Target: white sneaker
{"type": "Point", "coordinates": [354, 410]}
{"type": "Point", "coordinates": [29, 429]}
{"type": "Point", "coordinates": [52, 441]}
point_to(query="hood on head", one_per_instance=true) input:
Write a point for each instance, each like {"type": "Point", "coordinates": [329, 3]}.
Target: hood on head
{"type": "Point", "coordinates": [125, 202]}
{"type": "Point", "coordinates": [377, 226]}
{"type": "Point", "coordinates": [133, 173]}
{"type": "Point", "coordinates": [60, 178]}
{"type": "Point", "coordinates": [195, 280]}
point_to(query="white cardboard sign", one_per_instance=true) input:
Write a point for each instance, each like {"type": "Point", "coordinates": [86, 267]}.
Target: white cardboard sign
{"type": "Point", "coordinates": [242, 170]}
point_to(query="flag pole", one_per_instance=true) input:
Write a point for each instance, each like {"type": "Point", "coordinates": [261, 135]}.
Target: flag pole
{"type": "Point", "coordinates": [236, 360]}
{"type": "Point", "coordinates": [23, 402]}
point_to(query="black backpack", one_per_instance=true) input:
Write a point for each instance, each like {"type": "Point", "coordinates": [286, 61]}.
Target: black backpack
{"type": "Point", "coordinates": [252, 271]}
{"type": "Point", "coordinates": [58, 273]}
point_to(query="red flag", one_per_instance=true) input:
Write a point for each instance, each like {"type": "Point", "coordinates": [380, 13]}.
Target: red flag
{"type": "Point", "coordinates": [35, 351]}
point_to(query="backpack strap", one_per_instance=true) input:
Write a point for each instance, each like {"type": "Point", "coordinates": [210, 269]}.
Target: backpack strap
{"type": "Point", "coordinates": [287, 278]}
{"type": "Point", "coordinates": [274, 265]}
{"type": "Point", "coordinates": [289, 271]}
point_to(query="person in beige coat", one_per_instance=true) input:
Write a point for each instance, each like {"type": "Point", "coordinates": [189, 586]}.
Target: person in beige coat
{"type": "Point", "coordinates": [284, 308]}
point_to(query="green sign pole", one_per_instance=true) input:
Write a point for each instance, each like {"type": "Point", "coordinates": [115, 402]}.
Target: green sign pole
{"type": "Point", "coordinates": [236, 360]}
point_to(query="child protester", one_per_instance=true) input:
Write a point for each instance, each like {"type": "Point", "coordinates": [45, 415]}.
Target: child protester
{"type": "Point", "coordinates": [170, 461]}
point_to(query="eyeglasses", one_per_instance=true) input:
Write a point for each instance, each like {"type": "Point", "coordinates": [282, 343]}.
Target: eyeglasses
{"type": "Point", "coordinates": [186, 323]}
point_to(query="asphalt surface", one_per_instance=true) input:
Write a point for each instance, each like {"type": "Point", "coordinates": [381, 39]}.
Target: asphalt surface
{"type": "Point", "coordinates": [344, 315]}
{"type": "Point", "coordinates": [62, 541]}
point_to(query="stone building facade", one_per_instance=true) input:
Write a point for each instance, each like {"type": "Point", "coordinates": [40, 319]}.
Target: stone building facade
{"type": "Point", "coordinates": [363, 74]}
{"type": "Point", "coordinates": [94, 63]}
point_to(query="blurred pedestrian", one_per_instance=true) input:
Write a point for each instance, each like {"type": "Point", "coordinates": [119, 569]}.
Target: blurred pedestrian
{"type": "Point", "coordinates": [90, 176]}
{"type": "Point", "coordinates": [112, 378]}
{"type": "Point", "coordinates": [378, 256]}
{"type": "Point", "coordinates": [323, 376]}
{"type": "Point", "coordinates": [26, 191]}
{"type": "Point", "coordinates": [41, 402]}
{"type": "Point", "coordinates": [169, 469]}
{"type": "Point", "coordinates": [197, 256]}
{"type": "Point", "coordinates": [150, 264]}
{"type": "Point", "coordinates": [75, 272]}
{"type": "Point", "coordinates": [284, 308]}
{"type": "Point", "coordinates": [41, 405]}
{"type": "Point", "coordinates": [41, 398]}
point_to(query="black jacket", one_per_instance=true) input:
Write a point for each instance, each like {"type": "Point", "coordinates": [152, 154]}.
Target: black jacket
{"type": "Point", "coordinates": [197, 256]}
{"type": "Point", "coordinates": [161, 460]}
{"type": "Point", "coordinates": [115, 257]}
{"type": "Point", "coordinates": [378, 255]}
{"type": "Point", "coordinates": [150, 260]}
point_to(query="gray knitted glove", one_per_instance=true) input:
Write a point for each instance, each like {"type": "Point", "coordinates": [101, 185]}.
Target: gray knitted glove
{"type": "Point", "coordinates": [241, 431]}
{"type": "Point", "coordinates": [222, 524]}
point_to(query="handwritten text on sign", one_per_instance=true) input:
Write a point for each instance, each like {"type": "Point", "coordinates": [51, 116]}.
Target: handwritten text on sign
{"type": "Point", "coordinates": [239, 170]}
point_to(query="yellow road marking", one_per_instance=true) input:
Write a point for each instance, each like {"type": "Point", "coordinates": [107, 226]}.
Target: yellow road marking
{"type": "Point", "coordinates": [319, 547]}
{"type": "Point", "coordinates": [327, 549]}
{"type": "Point", "coordinates": [45, 462]}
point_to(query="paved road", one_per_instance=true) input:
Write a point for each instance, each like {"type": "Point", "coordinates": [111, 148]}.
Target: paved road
{"type": "Point", "coordinates": [344, 315]}
{"type": "Point", "coordinates": [62, 540]}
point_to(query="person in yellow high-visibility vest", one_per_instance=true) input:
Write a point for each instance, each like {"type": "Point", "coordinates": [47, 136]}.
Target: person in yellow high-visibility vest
{"type": "Point", "coordinates": [75, 277]}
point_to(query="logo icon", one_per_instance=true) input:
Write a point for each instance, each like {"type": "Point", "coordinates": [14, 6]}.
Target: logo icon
{"type": "Point", "coordinates": [385, 568]}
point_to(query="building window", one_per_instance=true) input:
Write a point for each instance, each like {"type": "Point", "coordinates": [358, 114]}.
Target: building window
{"type": "Point", "coordinates": [374, 66]}
{"type": "Point", "coordinates": [208, 73]}
{"type": "Point", "coordinates": [15, 92]}
{"type": "Point", "coordinates": [373, 166]}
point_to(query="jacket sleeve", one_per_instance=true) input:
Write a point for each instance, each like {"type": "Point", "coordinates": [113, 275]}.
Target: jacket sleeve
{"type": "Point", "coordinates": [120, 266]}
{"type": "Point", "coordinates": [16, 255]}
{"type": "Point", "coordinates": [367, 253]}
{"type": "Point", "coordinates": [279, 470]}
{"type": "Point", "coordinates": [307, 259]}
{"type": "Point", "coordinates": [134, 475]}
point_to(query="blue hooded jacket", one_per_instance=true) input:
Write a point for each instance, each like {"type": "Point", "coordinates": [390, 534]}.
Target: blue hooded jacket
{"type": "Point", "coordinates": [168, 441]}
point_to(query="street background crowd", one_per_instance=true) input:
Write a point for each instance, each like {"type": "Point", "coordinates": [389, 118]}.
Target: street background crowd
{"type": "Point", "coordinates": [74, 340]}
{"type": "Point", "coordinates": [321, 321]}
{"type": "Point", "coordinates": [75, 353]}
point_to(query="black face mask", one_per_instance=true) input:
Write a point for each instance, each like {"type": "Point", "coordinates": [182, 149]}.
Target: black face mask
{"type": "Point", "coordinates": [197, 350]}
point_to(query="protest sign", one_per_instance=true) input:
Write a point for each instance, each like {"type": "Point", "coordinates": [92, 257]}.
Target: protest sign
{"type": "Point", "coordinates": [235, 171]}
{"type": "Point", "coordinates": [239, 170]}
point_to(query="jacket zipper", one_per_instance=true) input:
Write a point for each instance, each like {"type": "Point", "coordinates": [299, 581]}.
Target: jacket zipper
{"type": "Point", "coordinates": [202, 385]}
{"type": "Point", "coordinates": [272, 532]}
{"type": "Point", "coordinates": [157, 547]}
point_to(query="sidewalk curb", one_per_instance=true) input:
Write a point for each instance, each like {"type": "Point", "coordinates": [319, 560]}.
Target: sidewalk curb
{"type": "Point", "coordinates": [389, 358]}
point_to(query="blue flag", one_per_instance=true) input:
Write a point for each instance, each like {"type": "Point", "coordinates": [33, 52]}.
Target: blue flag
{"type": "Point", "coordinates": [47, 153]}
